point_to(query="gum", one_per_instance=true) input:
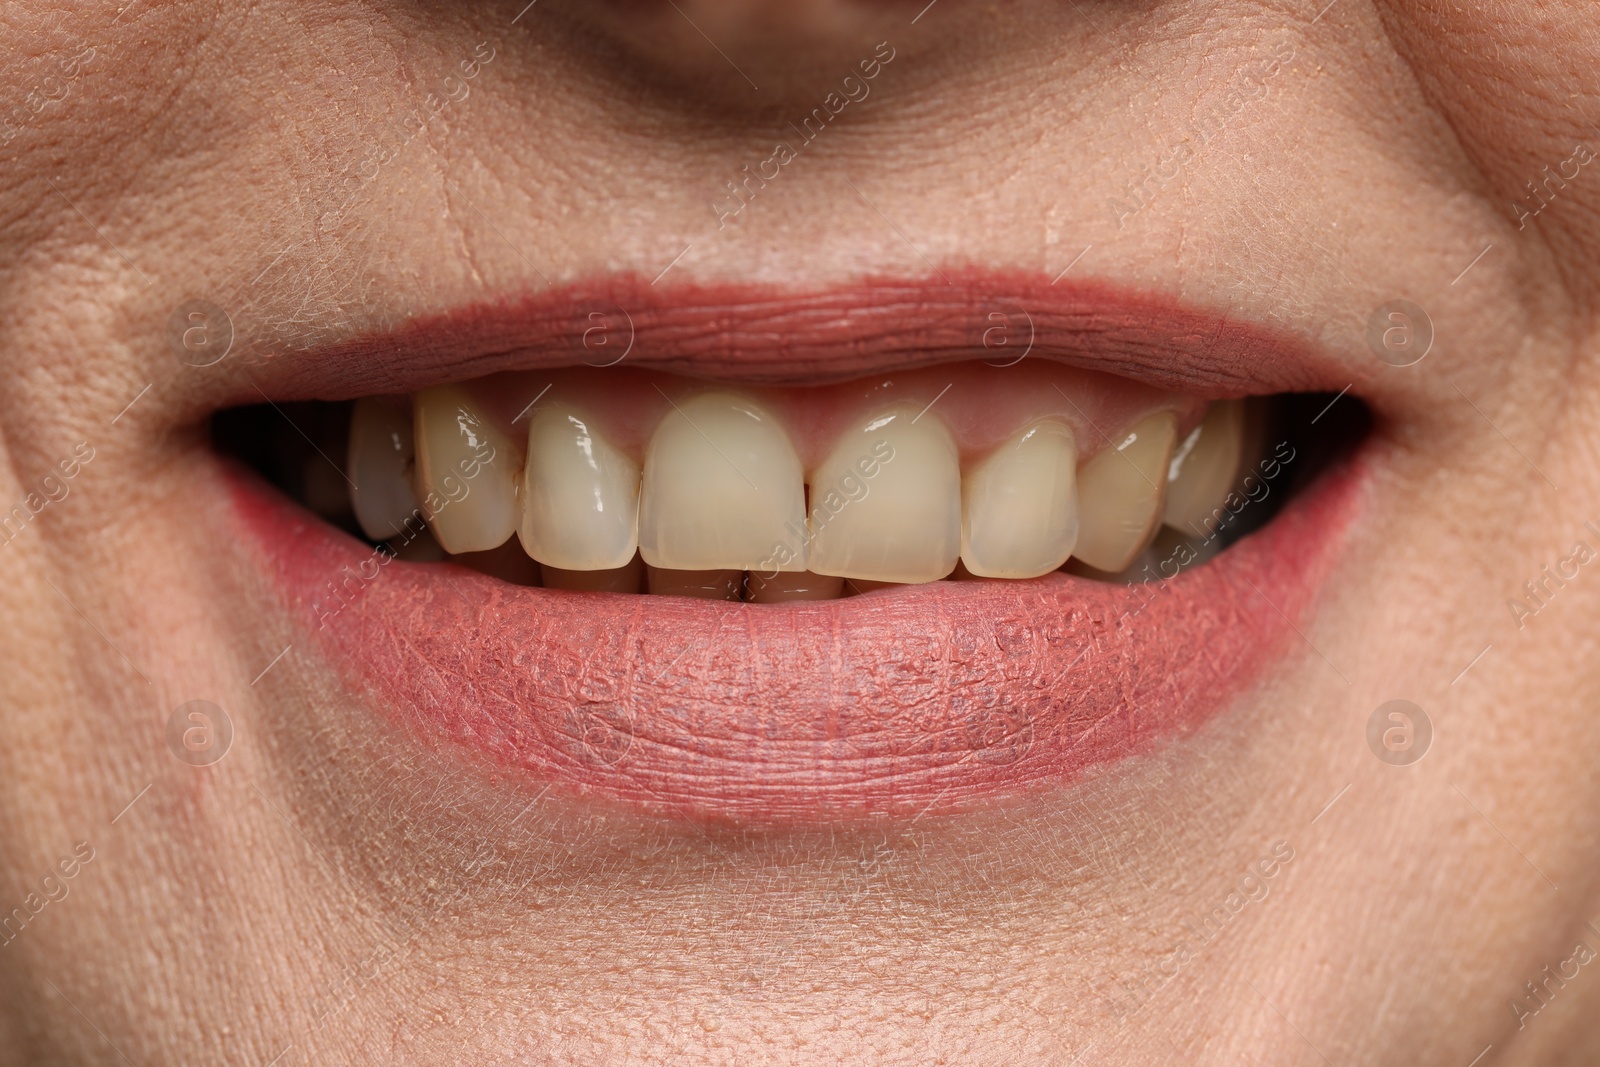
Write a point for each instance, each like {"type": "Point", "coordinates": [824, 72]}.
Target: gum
{"type": "Point", "coordinates": [982, 405]}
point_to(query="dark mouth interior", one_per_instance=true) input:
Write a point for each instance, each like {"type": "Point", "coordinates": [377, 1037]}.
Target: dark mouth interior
{"type": "Point", "coordinates": [299, 447]}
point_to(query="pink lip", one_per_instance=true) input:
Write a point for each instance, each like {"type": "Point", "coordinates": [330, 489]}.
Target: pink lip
{"type": "Point", "coordinates": [932, 698]}
{"type": "Point", "coordinates": [763, 334]}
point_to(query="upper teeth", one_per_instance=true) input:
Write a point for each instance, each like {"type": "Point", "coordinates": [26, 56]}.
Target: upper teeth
{"type": "Point", "coordinates": [886, 503]}
{"type": "Point", "coordinates": [1128, 479]}
{"type": "Point", "coordinates": [722, 489]}
{"type": "Point", "coordinates": [468, 462]}
{"type": "Point", "coordinates": [1019, 507]}
{"type": "Point", "coordinates": [722, 485]}
{"type": "Point", "coordinates": [580, 495]}
{"type": "Point", "coordinates": [381, 456]}
{"type": "Point", "coordinates": [1204, 467]}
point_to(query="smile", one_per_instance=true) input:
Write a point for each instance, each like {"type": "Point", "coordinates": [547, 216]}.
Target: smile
{"type": "Point", "coordinates": [774, 559]}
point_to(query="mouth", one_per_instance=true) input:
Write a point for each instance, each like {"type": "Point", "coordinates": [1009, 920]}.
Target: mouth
{"type": "Point", "coordinates": [749, 556]}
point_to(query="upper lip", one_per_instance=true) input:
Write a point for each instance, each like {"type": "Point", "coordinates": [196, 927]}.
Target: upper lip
{"type": "Point", "coordinates": [776, 336]}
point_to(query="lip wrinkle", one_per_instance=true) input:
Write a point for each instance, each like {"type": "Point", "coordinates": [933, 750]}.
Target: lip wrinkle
{"type": "Point", "coordinates": [923, 699]}
{"type": "Point", "coordinates": [780, 336]}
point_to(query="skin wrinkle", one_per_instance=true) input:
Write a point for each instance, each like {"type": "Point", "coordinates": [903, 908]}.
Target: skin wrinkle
{"type": "Point", "coordinates": [1446, 92]}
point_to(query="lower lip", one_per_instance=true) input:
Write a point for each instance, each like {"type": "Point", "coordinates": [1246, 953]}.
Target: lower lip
{"type": "Point", "coordinates": [928, 699]}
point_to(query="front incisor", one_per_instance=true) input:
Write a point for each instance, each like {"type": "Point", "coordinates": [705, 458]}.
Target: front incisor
{"type": "Point", "coordinates": [886, 503]}
{"type": "Point", "coordinates": [723, 489]}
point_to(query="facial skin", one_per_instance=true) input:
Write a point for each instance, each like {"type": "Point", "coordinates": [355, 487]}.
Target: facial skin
{"type": "Point", "coordinates": [332, 893]}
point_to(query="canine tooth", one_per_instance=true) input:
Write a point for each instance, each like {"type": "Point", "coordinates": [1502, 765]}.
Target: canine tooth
{"type": "Point", "coordinates": [785, 587]}
{"type": "Point", "coordinates": [701, 584]}
{"type": "Point", "coordinates": [628, 578]}
{"type": "Point", "coordinates": [1120, 494]}
{"type": "Point", "coordinates": [1203, 468]}
{"type": "Point", "coordinates": [580, 496]}
{"type": "Point", "coordinates": [466, 472]}
{"type": "Point", "coordinates": [380, 458]}
{"type": "Point", "coordinates": [722, 488]}
{"type": "Point", "coordinates": [1019, 507]}
{"type": "Point", "coordinates": [886, 504]}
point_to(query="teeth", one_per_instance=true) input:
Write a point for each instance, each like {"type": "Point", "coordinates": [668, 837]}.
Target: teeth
{"type": "Point", "coordinates": [722, 489]}
{"type": "Point", "coordinates": [1202, 470]}
{"type": "Point", "coordinates": [580, 496]}
{"type": "Point", "coordinates": [703, 584]}
{"type": "Point", "coordinates": [1019, 507]}
{"type": "Point", "coordinates": [786, 587]}
{"type": "Point", "coordinates": [628, 578]}
{"type": "Point", "coordinates": [1120, 494]}
{"type": "Point", "coordinates": [886, 505]}
{"type": "Point", "coordinates": [380, 459]}
{"type": "Point", "coordinates": [722, 507]}
{"type": "Point", "coordinates": [466, 472]}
